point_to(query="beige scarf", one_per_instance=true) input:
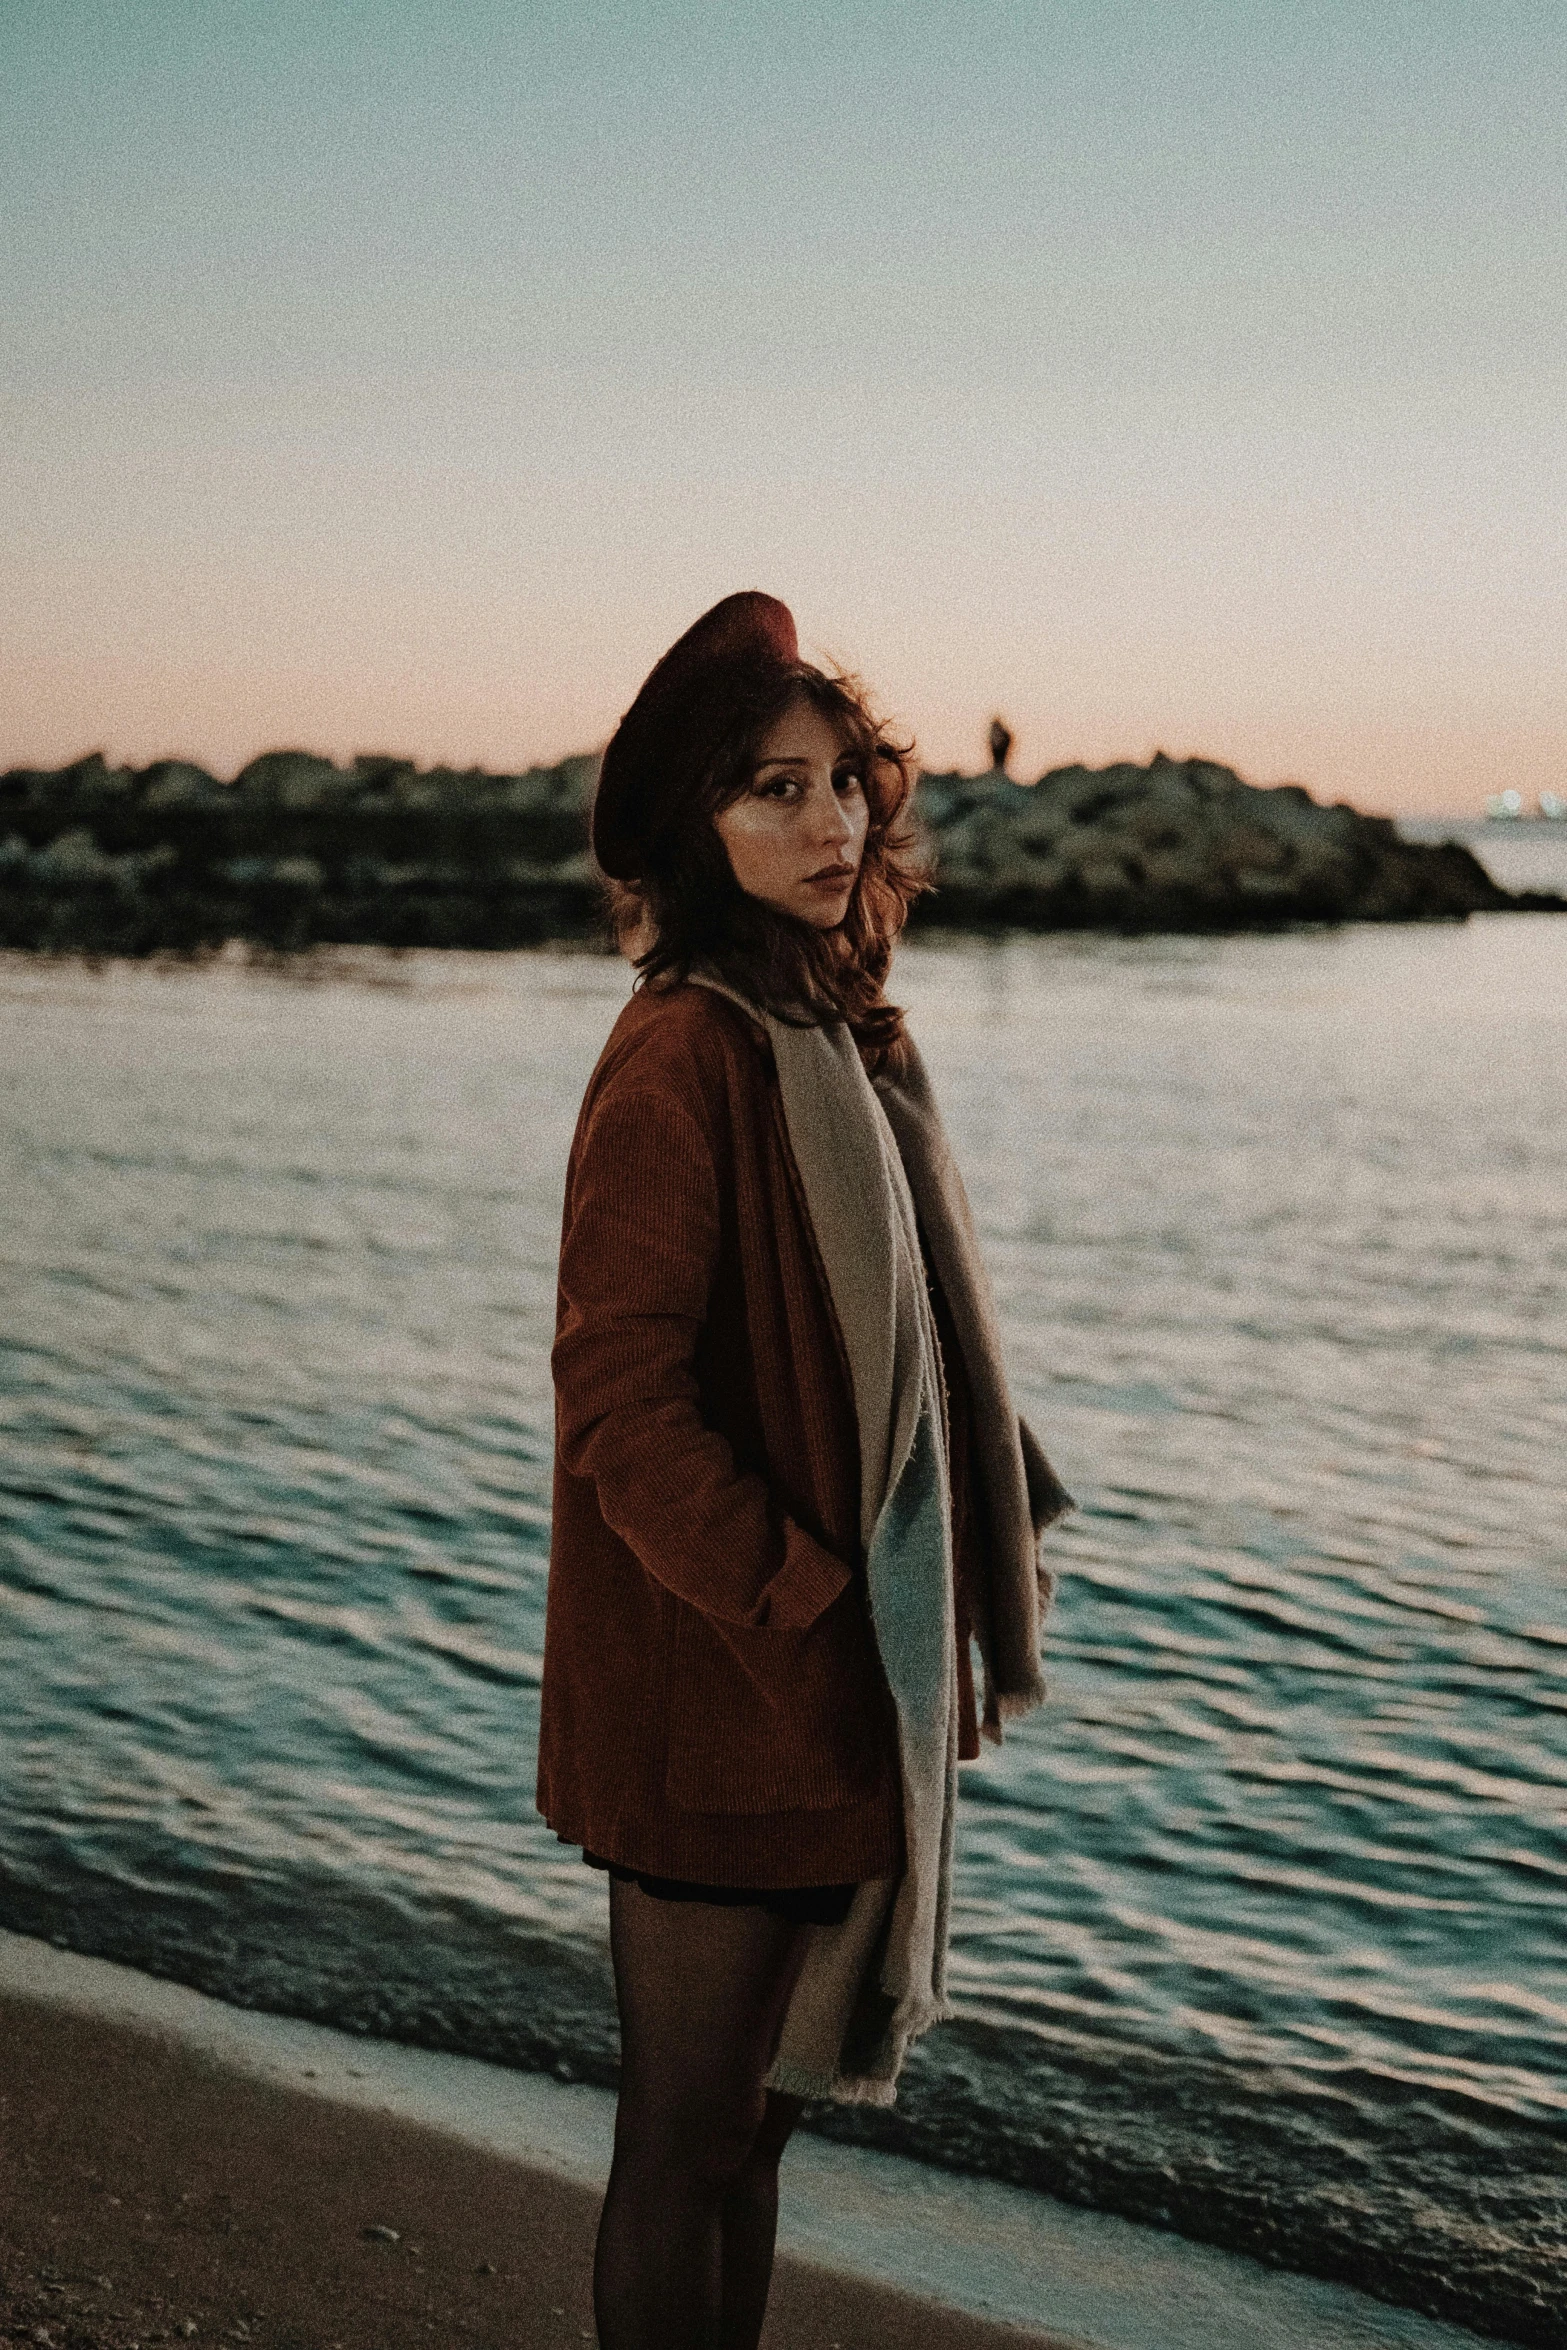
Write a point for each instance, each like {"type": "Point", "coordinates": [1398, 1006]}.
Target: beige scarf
{"type": "Point", "coordinates": [875, 1168]}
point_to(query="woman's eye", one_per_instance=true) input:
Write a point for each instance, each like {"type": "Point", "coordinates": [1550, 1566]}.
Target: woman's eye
{"type": "Point", "coordinates": [848, 779]}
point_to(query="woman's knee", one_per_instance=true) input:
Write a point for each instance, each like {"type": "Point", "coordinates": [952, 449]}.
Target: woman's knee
{"type": "Point", "coordinates": [708, 2138]}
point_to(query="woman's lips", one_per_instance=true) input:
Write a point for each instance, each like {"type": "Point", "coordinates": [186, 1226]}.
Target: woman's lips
{"type": "Point", "coordinates": [836, 875]}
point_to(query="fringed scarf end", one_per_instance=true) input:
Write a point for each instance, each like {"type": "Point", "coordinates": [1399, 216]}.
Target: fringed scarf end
{"type": "Point", "coordinates": [877, 2082]}
{"type": "Point", "coordinates": [1006, 1705]}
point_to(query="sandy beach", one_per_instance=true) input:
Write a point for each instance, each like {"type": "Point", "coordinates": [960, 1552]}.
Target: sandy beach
{"type": "Point", "coordinates": [152, 2195]}
{"type": "Point", "coordinates": [174, 2169]}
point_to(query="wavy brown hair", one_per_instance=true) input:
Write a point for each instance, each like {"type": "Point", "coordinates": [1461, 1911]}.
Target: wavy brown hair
{"type": "Point", "coordinates": [690, 910]}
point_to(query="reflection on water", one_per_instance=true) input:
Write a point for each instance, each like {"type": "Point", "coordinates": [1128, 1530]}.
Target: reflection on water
{"type": "Point", "coordinates": [1279, 1233]}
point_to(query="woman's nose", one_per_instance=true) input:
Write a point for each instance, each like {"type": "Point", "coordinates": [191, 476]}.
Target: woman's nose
{"type": "Point", "coordinates": [835, 823]}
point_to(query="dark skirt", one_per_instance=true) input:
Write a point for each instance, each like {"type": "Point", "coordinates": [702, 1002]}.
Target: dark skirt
{"type": "Point", "coordinates": [798, 1905]}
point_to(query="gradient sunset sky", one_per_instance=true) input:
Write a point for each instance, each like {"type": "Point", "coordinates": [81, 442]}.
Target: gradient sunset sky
{"type": "Point", "coordinates": [404, 376]}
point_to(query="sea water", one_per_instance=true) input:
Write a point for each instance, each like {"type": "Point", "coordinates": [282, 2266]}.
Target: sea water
{"type": "Point", "coordinates": [1262, 1923]}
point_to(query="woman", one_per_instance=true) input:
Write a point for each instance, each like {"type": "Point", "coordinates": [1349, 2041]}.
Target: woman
{"type": "Point", "coordinates": [789, 1483]}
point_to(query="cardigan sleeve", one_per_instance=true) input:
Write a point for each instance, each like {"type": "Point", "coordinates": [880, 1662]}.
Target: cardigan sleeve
{"type": "Point", "coordinates": [638, 1251]}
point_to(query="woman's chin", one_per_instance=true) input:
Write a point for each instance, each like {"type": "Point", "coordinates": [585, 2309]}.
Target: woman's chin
{"type": "Point", "coordinates": [817, 909]}
{"type": "Point", "coordinates": [823, 912]}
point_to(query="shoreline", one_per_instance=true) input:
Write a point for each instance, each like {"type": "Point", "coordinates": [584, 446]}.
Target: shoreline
{"type": "Point", "coordinates": [224, 2165]}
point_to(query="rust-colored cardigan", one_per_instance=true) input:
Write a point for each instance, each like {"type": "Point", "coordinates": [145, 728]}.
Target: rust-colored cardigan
{"type": "Point", "coordinates": [713, 1704]}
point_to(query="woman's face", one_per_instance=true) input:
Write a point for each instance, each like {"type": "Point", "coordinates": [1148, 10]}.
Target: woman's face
{"type": "Point", "coordinates": [796, 835]}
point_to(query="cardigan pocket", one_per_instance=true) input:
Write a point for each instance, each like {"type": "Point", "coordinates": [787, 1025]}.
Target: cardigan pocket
{"type": "Point", "coordinates": [763, 1721]}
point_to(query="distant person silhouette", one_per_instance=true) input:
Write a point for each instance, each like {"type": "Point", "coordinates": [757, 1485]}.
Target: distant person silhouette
{"type": "Point", "coordinates": [1000, 744]}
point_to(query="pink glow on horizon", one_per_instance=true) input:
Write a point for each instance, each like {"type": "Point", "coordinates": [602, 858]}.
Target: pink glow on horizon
{"type": "Point", "coordinates": [1401, 763]}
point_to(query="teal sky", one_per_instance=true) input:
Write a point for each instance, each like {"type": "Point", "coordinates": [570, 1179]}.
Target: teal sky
{"type": "Point", "coordinates": [405, 376]}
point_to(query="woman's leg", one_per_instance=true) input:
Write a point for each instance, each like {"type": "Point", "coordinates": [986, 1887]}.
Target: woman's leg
{"type": "Point", "coordinates": [750, 2226]}
{"type": "Point", "coordinates": [702, 1992]}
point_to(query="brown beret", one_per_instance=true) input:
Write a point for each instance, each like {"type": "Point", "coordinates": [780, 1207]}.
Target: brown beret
{"type": "Point", "coordinates": [677, 717]}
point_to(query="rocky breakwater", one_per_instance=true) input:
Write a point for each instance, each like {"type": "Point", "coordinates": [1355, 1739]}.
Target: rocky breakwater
{"type": "Point", "coordinates": [1181, 844]}
{"type": "Point", "coordinates": [297, 852]}
{"type": "Point", "coordinates": [294, 852]}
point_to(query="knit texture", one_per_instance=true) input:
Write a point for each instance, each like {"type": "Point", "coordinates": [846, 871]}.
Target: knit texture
{"type": "Point", "coordinates": [871, 1985]}
{"type": "Point", "coordinates": [875, 1167]}
{"type": "Point", "coordinates": [1018, 1492]}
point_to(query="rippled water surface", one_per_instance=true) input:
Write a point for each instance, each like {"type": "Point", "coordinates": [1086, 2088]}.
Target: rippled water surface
{"type": "Point", "coordinates": [1261, 1922]}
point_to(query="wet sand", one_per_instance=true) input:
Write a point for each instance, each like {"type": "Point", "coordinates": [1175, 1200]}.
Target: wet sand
{"type": "Point", "coordinates": [152, 2195]}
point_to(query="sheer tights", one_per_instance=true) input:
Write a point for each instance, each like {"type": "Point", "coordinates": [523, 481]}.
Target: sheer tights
{"type": "Point", "coordinates": [685, 2246]}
